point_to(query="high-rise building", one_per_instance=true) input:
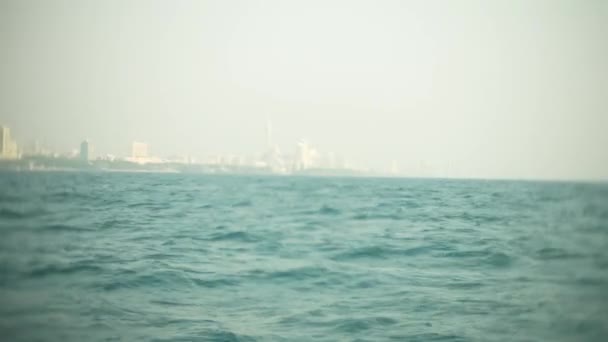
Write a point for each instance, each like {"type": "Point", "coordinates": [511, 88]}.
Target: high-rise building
{"type": "Point", "coordinates": [84, 151]}
{"type": "Point", "coordinates": [139, 150]}
{"type": "Point", "coordinates": [5, 137]}
{"type": "Point", "coordinates": [8, 147]}
{"type": "Point", "coordinates": [302, 157]}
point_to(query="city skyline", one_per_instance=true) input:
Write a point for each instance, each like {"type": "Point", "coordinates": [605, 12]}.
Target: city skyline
{"type": "Point", "coordinates": [484, 89]}
{"type": "Point", "coordinates": [302, 156]}
{"type": "Point", "coordinates": [290, 159]}
{"type": "Point", "coordinates": [297, 170]}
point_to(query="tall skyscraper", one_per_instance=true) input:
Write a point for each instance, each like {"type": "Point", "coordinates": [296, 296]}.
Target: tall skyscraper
{"type": "Point", "coordinates": [5, 137]}
{"type": "Point", "coordinates": [84, 151]}
{"type": "Point", "coordinates": [302, 156]}
{"type": "Point", "coordinates": [8, 147]}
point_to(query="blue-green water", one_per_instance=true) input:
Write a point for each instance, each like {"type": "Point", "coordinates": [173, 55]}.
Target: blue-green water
{"type": "Point", "coordinates": [116, 256]}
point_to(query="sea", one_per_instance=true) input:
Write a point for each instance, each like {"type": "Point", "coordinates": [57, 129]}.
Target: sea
{"type": "Point", "coordinates": [110, 256]}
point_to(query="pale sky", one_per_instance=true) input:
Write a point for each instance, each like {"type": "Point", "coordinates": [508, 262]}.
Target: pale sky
{"type": "Point", "coordinates": [515, 89]}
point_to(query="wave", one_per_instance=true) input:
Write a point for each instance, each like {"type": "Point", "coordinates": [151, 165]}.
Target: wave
{"type": "Point", "coordinates": [68, 196]}
{"type": "Point", "coordinates": [477, 218]}
{"type": "Point", "coordinates": [596, 210]}
{"type": "Point", "coordinates": [553, 253]}
{"type": "Point", "coordinates": [233, 236]}
{"type": "Point", "coordinates": [381, 252]}
{"type": "Point", "coordinates": [50, 270]}
{"type": "Point", "coordinates": [170, 303]}
{"type": "Point", "coordinates": [327, 210]}
{"type": "Point", "coordinates": [211, 335]}
{"type": "Point", "coordinates": [10, 198]}
{"type": "Point", "coordinates": [21, 214]}
{"type": "Point", "coordinates": [65, 228]}
{"type": "Point", "coordinates": [358, 325]}
{"type": "Point", "coordinates": [374, 216]}
{"type": "Point", "coordinates": [213, 283]}
{"type": "Point", "coordinates": [464, 285]}
{"type": "Point", "coordinates": [114, 223]}
{"type": "Point", "coordinates": [292, 274]}
{"type": "Point", "coordinates": [151, 205]}
{"type": "Point", "coordinates": [244, 203]}
{"type": "Point", "coordinates": [490, 258]}
{"type": "Point", "coordinates": [499, 259]}
{"type": "Point", "coordinates": [165, 279]}
{"type": "Point", "coordinates": [428, 337]}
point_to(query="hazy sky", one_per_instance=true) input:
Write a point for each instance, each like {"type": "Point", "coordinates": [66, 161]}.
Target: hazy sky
{"type": "Point", "coordinates": [492, 88]}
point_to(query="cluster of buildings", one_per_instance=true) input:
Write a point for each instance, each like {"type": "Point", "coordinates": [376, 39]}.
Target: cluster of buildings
{"type": "Point", "coordinates": [303, 158]}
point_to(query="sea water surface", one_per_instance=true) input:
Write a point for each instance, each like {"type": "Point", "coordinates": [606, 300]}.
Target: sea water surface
{"type": "Point", "coordinates": [174, 257]}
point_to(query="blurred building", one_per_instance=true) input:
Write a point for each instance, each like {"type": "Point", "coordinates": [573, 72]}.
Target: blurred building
{"type": "Point", "coordinates": [140, 154]}
{"type": "Point", "coordinates": [85, 151]}
{"type": "Point", "coordinates": [139, 150]}
{"type": "Point", "coordinates": [305, 157]}
{"type": "Point", "coordinates": [34, 148]}
{"type": "Point", "coordinates": [274, 160]}
{"type": "Point", "coordinates": [394, 169]}
{"type": "Point", "coordinates": [8, 147]}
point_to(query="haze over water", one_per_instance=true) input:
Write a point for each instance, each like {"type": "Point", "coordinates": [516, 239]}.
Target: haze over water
{"type": "Point", "coordinates": [169, 257]}
{"type": "Point", "coordinates": [470, 88]}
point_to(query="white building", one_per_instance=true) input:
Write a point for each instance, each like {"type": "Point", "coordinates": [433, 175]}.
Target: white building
{"type": "Point", "coordinates": [85, 151]}
{"type": "Point", "coordinates": [305, 157]}
{"type": "Point", "coordinates": [139, 150]}
{"type": "Point", "coordinates": [8, 147]}
{"type": "Point", "coordinates": [140, 154]}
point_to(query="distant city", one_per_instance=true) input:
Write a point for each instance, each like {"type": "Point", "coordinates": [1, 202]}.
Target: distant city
{"type": "Point", "coordinates": [304, 159]}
